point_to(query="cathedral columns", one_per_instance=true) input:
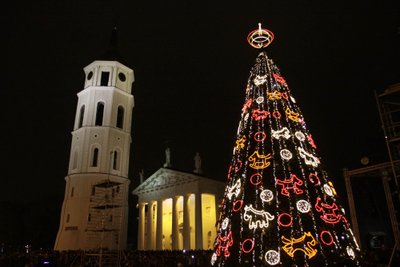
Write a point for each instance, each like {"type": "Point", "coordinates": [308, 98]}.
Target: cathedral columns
{"type": "Point", "coordinates": [186, 222]}
{"type": "Point", "coordinates": [159, 229]}
{"type": "Point", "coordinates": [199, 222]}
{"type": "Point", "coordinates": [181, 218]}
{"type": "Point", "coordinates": [175, 226]}
{"type": "Point", "coordinates": [150, 232]}
{"type": "Point", "coordinates": [141, 227]}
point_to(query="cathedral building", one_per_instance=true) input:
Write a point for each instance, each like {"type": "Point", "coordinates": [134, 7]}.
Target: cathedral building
{"type": "Point", "coordinates": [178, 210]}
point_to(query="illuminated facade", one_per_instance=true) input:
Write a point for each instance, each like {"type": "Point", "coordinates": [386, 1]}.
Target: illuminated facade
{"type": "Point", "coordinates": [95, 208]}
{"type": "Point", "coordinates": [169, 217]}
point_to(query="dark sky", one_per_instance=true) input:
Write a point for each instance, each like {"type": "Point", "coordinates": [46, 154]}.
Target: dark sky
{"type": "Point", "coordinates": [191, 63]}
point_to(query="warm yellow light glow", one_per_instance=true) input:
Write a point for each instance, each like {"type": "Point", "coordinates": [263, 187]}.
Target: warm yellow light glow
{"type": "Point", "coordinates": [179, 207]}
{"type": "Point", "coordinates": [259, 161]}
{"type": "Point", "coordinates": [192, 221]}
{"type": "Point", "coordinates": [294, 116]}
{"type": "Point", "coordinates": [306, 244]}
{"type": "Point", "coordinates": [167, 224]}
{"type": "Point", "coordinates": [209, 219]}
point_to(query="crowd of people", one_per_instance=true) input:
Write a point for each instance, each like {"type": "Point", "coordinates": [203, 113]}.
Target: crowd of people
{"type": "Point", "coordinates": [135, 258]}
{"type": "Point", "coordinates": [129, 258]}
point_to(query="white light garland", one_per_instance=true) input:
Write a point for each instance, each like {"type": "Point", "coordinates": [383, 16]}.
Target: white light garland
{"type": "Point", "coordinates": [354, 239]}
{"type": "Point", "coordinates": [257, 218]}
{"type": "Point", "coordinates": [292, 98]}
{"type": "Point", "coordinates": [258, 80]}
{"type": "Point", "coordinates": [282, 133]}
{"type": "Point", "coordinates": [225, 224]}
{"type": "Point", "coordinates": [213, 258]}
{"type": "Point", "coordinates": [350, 252]}
{"type": "Point", "coordinates": [300, 136]}
{"type": "Point", "coordinates": [246, 117]}
{"type": "Point", "coordinates": [272, 257]}
{"type": "Point", "coordinates": [239, 129]}
{"type": "Point", "coordinates": [234, 189]}
{"type": "Point", "coordinates": [303, 206]}
{"type": "Point", "coordinates": [266, 195]}
{"type": "Point", "coordinates": [309, 159]}
{"type": "Point", "coordinates": [328, 190]}
{"type": "Point", "coordinates": [286, 154]}
{"type": "Point", "coordinates": [260, 99]}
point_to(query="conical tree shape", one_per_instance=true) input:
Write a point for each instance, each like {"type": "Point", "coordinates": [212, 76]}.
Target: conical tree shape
{"type": "Point", "coordinates": [280, 207]}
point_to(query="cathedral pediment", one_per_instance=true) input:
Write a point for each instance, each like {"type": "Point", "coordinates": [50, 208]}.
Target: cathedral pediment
{"type": "Point", "coordinates": [165, 178]}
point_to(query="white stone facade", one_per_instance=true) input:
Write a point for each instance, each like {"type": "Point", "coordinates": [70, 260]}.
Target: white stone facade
{"type": "Point", "coordinates": [95, 208]}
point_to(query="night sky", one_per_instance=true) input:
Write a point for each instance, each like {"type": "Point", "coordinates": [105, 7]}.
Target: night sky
{"type": "Point", "coordinates": [191, 63]}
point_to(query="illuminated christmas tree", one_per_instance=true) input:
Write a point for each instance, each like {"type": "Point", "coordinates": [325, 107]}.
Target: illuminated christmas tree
{"type": "Point", "coordinates": [280, 207]}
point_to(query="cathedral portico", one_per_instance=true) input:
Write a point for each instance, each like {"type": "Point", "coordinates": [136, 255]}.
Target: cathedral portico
{"type": "Point", "coordinates": [177, 210]}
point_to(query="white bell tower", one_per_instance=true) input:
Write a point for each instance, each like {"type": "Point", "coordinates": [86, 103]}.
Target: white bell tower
{"type": "Point", "coordinates": [95, 209]}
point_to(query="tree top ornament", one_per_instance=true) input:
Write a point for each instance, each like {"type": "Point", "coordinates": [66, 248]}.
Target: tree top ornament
{"type": "Point", "coordinates": [260, 38]}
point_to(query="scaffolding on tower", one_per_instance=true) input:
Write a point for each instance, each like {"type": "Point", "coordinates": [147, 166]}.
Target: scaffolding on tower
{"type": "Point", "coordinates": [105, 222]}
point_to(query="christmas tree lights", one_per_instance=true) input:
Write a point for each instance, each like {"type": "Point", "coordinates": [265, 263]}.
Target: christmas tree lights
{"type": "Point", "coordinates": [280, 207]}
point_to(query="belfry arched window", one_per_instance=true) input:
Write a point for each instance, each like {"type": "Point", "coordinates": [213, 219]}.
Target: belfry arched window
{"type": "Point", "coordinates": [99, 114]}
{"type": "Point", "coordinates": [116, 160]}
{"type": "Point", "coordinates": [120, 117]}
{"type": "Point", "coordinates": [95, 157]}
{"type": "Point", "coordinates": [81, 115]}
{"type": "Point", "coordinates": [75, 160]}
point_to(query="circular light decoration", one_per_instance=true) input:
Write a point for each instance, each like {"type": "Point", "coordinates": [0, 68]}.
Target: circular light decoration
{"type": "Point", "coordinates": [285, 220]}
{"type": "Point", "coordinates": [225, 224]}
{"type": "Point", "coordinates": [326, 238]}
{"type": "Point", "coordinates": [237, 205]}
{"type": "Point", "coordinates": [247, 245]}
{"type": "Point", "coordinates": [292, 98]}
{"type": "Point", "coordinates": [300, 136]}
{"type": "Point", "coordinates": [276, 114]}
{"type": "Point", "coordinates": [286, 154]}
{"type": "Point", "coordinates": [328, 190]}
{"type": "Point", "coordinates": [260, 38]}
{"type": "Point", "coordinates": [213, 258]}
{"type": "Point", "coordinates": [272, 257]}
{"type": "Point", "coordinates": [266, 195]}
{"type": "Point", "coordinates": [303, 206]}
{"type": "Point", "coordinates": [256, 179]}
{"type": "Point", "coordinates": [260, 99]}
{"type": "Point", "coordinates": [285, 95]}
{"type": "Point", "coordinates": [314, 179]}
{"type": "Point", "coordinates": [350, 252]}
{"type": "Point", "coordinates": [238, 165]}
{"type": "Point", "coordinates": [260, 136]}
